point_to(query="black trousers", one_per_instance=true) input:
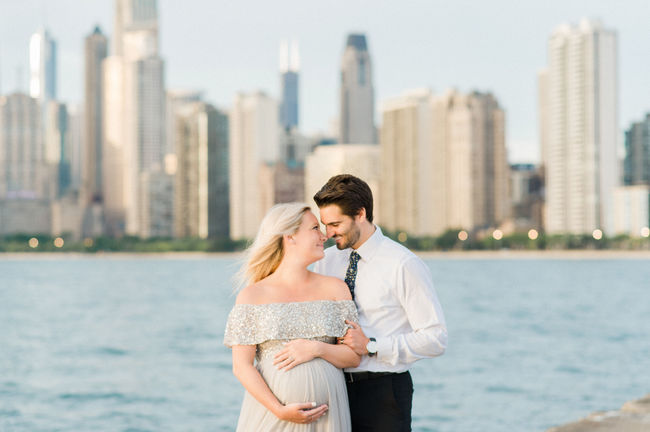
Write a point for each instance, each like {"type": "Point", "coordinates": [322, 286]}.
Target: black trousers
{"type": "Point", "coordinates": [381, 404]}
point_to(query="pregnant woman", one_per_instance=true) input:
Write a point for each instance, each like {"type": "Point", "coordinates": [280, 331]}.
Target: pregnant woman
{"type": "Point", "coordinates": [283, 330]}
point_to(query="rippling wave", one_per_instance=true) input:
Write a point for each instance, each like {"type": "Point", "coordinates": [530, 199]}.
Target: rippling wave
{"type": "Point", "coordinates": [135, 344]}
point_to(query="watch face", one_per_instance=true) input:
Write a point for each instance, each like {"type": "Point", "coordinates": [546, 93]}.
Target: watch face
{"type": "Point", "coordinates": [372, 347]}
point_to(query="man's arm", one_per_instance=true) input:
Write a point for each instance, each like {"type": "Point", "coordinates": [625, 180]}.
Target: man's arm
{"type": "Point", "coordinates": [420, 303]}
{"type": "Point", "coordinates": [418, 298]}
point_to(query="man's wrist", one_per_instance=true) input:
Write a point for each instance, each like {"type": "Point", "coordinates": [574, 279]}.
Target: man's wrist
{"type": "Point", "coordinates": [371, 347]}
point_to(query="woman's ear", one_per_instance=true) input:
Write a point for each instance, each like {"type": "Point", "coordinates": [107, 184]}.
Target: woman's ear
{"type": "Point", "coordinates": [288, 239]}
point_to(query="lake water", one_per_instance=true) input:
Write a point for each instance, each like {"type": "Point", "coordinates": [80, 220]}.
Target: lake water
{"type": "Point", "coordinates": [135, 344]}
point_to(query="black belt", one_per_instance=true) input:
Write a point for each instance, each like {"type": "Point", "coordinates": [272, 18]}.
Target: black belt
{"type": "Point", "coordinates": [362, 376]}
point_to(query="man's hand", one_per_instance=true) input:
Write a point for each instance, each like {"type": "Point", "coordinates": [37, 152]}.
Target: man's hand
{"type": "Point", "coordinates": [355, 339]}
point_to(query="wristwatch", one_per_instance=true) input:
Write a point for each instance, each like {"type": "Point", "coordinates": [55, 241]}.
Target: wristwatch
{"type": "Point", "coordinates": [372, 347]}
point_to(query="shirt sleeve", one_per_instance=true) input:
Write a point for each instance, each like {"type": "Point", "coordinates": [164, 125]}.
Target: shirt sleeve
{"type": "Point", "coordinates": [419, 300]}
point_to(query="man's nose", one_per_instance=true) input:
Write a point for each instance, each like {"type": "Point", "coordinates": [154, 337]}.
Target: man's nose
{"type": "Point", "coordinates": [329, 231]}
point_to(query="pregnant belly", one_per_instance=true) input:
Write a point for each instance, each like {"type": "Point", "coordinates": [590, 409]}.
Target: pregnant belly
{"type": "Point", "coordinates": [314, 381]}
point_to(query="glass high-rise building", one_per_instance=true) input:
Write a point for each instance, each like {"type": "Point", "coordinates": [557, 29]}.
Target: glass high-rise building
{"type": "Point", "coordinates": [357, 95]}
{"type": "Point", "coordinates": [637, 153]}
{"type": "Point", "coordinates": [134, 114]}
{"type": "Point", "coordinates": [289, 67]}
{"type": "Point", "coordinates": [96, 49]}
{"type": "Point", "coordinates": [42, 67]}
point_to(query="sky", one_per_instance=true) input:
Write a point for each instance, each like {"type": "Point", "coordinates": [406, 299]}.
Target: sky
{"type": "Point", "coordinates": [222, 47]}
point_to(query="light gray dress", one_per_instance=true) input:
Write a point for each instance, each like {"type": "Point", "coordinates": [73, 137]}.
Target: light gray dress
{"type": "Point", "coordinates": [268, 326]}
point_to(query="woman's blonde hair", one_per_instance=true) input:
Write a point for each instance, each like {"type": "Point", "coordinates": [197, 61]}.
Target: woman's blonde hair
{"type": "Point", "coordinates": [263, 256]}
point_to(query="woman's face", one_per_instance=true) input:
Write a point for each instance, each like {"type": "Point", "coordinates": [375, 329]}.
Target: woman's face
{"type": "Point", "coordinates": [309, 239]}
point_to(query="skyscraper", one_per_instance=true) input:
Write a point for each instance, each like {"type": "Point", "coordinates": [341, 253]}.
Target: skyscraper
{"type": "Point", "coordinates": [254, 141]}
{"type": "Point", "coordinates": [76, 141]}
{"type": "Point", "coordinates": [156, 204]}
{"type": "Point", "coordinates": [289, 67]}
{"type": "Point", "coordinates": [43, 88]}
{"type": "Point", "coordinates": [58, 150]}
{"type": "Point", "coordinates": [201, 207]}
{"type": "Point", "coordinates": [637, 153]}
{"type": "Point", "coordinates": [114, 182]}
{"type": "Point", "coordinates": [42, 67]}
{"type": "Point", "coordinates": [406, 144]}
{"type": "Point", "coordinates": [357, 95]}
{"type": "Point", "coordinates": [632, 200]}
{"type": "Point", "coordinates": [176, 101]}
{"type": "Point", "coordinates": [134, 16]}
{"type": "Point", "coordinates": [581, 161]}
{"type": "Point", "coordinates": [134, 116]}
{"type": "Point", "coordinates": [469, 167]}
{"type": "Point", "coordinates": [444, 163]}
{"type": "Point", "coordinates": [542, 113]}
{"type": "Point", "coordinates": [21, 148]}
{"type": "Point", "coordinates": [95, 53]}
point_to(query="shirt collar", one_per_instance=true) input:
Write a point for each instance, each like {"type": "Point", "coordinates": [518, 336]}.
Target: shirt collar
{"type": "Point", "coordinates": [368, 249]}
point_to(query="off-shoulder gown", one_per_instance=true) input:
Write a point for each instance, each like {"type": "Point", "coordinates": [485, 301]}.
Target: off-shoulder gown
{"type": "Point", "coordinates": [268, 326]}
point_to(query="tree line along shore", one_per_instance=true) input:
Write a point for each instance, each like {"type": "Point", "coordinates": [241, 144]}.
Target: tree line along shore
{"type": "Point", "coordinates": [451, 240]}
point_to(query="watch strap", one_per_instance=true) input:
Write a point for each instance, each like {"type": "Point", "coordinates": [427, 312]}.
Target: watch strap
{"type": "Point", "coordinates": [372, 354]}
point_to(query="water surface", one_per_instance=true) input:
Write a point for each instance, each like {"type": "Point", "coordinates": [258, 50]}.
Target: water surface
{"type": "Point", "coordinates": [135, 343]}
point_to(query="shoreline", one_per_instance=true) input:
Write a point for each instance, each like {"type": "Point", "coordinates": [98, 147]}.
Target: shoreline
{"type": "Point", "coordinates": [538, 254]}
{"type": "Point", "coordinates": [573, 254]}
{"type": "Point", "coordinates": [633, 416]}
{"type": "Point", "coordinates": [14, 256]}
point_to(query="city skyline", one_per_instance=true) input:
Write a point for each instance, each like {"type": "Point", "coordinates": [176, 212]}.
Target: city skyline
{"type": "Point", "coordinates": [475, 53]}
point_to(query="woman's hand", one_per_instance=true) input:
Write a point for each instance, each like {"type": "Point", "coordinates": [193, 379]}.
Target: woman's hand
{"type": "Point", "coordinates": [296, 352]}
{"type": "Point", "coordinates": [301, 412]}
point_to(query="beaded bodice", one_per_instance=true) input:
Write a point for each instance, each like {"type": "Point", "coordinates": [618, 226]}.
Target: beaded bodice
{"type": "Point", "coordinates": [269, 325]}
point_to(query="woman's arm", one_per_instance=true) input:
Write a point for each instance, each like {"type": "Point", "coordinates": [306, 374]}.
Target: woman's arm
{"type": "Point", "coordinates": [300, 351]}
{"type": "Point", "coordinates": [243, 358]}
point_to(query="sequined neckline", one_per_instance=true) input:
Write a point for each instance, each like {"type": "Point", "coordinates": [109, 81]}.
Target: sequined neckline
{"type": "Point", "coordinates": [292, 303]}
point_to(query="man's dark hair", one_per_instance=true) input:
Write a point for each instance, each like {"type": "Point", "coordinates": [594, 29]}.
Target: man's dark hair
{"type": "Point", "coordinates": [348, 192]}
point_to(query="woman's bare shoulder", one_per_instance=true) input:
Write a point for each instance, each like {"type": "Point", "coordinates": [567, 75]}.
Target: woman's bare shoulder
{"type": "Point", "coordinates": [334, 287]}
{"type": "Point", "coordinates": [251, 294]}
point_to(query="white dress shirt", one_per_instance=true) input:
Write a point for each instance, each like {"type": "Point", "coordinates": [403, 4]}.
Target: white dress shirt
{"type": "Point", "coordinates": [397, 303]}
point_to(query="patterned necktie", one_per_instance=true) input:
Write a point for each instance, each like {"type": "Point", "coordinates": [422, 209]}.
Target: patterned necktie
{"type": "Point", "coordinates": [351, 274]}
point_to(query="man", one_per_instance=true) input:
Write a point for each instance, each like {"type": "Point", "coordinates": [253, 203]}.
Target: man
{"type": "Point", "coordinates": [400, 318]}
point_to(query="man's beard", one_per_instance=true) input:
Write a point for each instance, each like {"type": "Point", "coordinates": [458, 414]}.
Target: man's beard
{"type": "Point", "coordinates": [352, 235]}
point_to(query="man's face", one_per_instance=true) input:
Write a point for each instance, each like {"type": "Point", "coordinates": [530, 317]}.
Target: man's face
{"type": "Point", "coordinates": [342, 228]}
